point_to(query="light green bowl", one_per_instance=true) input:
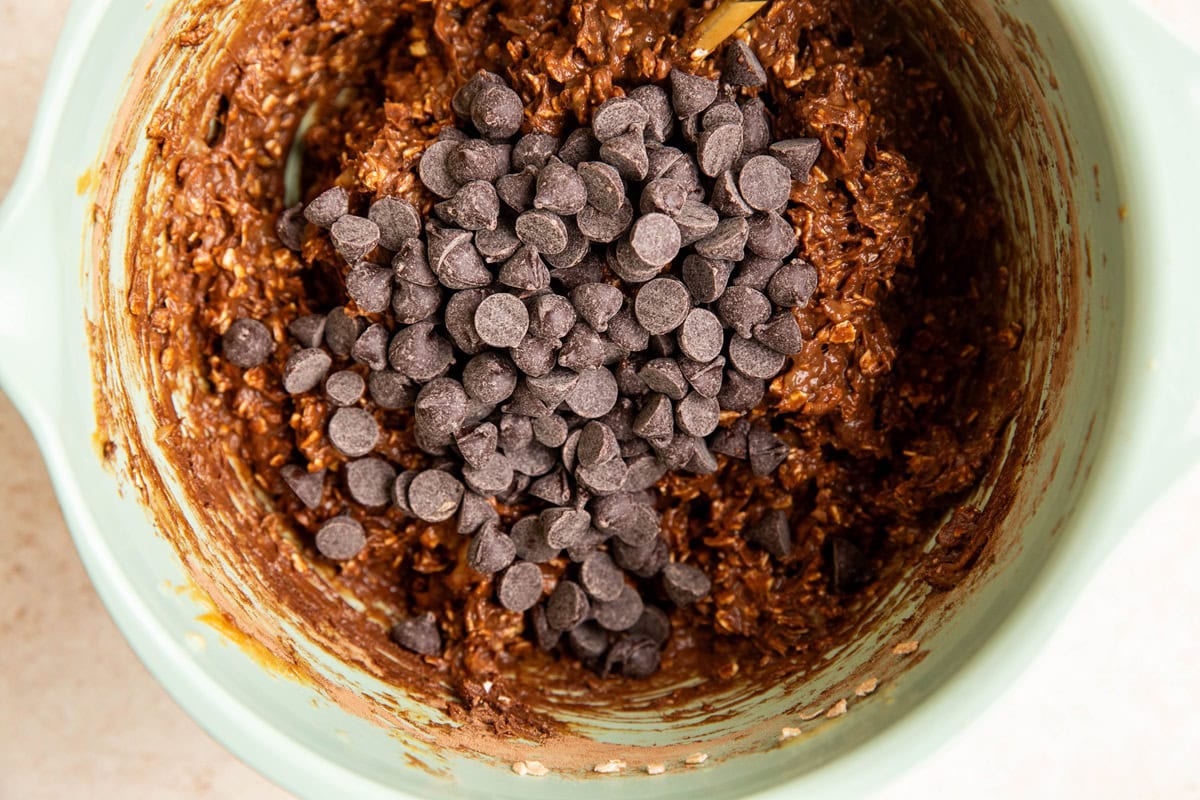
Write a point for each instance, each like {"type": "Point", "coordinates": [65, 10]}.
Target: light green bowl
{"type": "Point", "coordinates": [1115, 370]}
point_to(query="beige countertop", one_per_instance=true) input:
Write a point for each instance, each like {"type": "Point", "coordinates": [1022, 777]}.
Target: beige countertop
{"type": "Point", "coordinates": [81, 717]}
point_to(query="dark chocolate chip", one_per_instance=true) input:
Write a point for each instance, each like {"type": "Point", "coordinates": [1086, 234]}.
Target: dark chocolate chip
{"type": "Point", "coordinates": [434, 495]}
{"type": "Point", "coordinates": [625, 331]}
{"type": "Point", "coordinates": [525, 271]}
{"type": "Point", "coordinates": [391, 390]}
{"type": "Point", "coordinates": [597, 303]}
{"type": "Point", "coordinates": [781, 333]}
{"type": "Point", "coordinates": [741, 308]}
{"type": "Point", "coordinates": [697, 415]}
{"type": "Point", "coordinates": [477, 445]}
{"type": "Point", "coordinates": [520, 586]}
{"type": "Point", "coordinates": [741, 67]}
{"type": "Point", "coordinates": [676, 451]}
{"type": "Point", "coordinates": [726, 199]}
{"type": "Point", "coordinates": [644, 561]}
{"type": "Point", "coordinates": [567, 606]}
{"type": "Point", "coordinates": [461, 267]}
{"type": "Point", "coordinates": [691, 94]}
{"type": "Point", "coordinates": [579, 146]}
{"type": "Point", "coordinates": [662, 305]}
{"type": "Point", "coordinates": [497, 244]}
{"type": "Point", "coordinates": [491, 550]}
{"type": "Point", "coordinates": [564, 527]}
{"type": "Point", "coordinates": [621, 613]}
{"type": "Point", "coordinates": [550, 431]}
{"type": "Point", "coordinates": [418, 634]}
{"type": "Point", "coordinates": [370, 347]}
{"type": "Point", "coordinates": [772, 533]}
{"type": "Point", "coordinates": [420, 352]}
{"type": "Point", "coordinates": [627, 153]}
{"type": "Point", "coordinates": [341, 538]}
{"type": "Point", "coordinates": [582, 349]}
{"type": "Point", "coordinates": [719, 148]}
{"type": "Point", "coordinates": [605, 189]}
{"type": "Point", "coordinates": [661, 160]}
{"type": "Point", "coordinates": [654, 420]}
{"type": "Point", "coordinates": [412, 264]}
{"type": "Point", "coordinates": [490, 377]}
{"type": "Point", "coordinates": [551, 316]}
{"type": "Point", "coordinates": [496, 111]}
{"type": "Point", "coordinates": [247, 343]}
{"type": "Point", "coordinates": [353, 237]}
{"type": "Point", "coordinates": [597, 444]}
{"type": "Point", "coordinates": [701, 335]}
{"type": "Point", "coordinates": [644, 470]}
{"type": "Point", "coordinates": [638, 527]}
{"type": "Point", "coordinates": [705, 278]}
{"type": "Point", "coordinates": [433, 168]}
{"type": "Point", "coordinates": [473, 207]}
{"type": "Point", "coordinates": [369, 481]}
{"type": "Point", "coordinates": [559, 189]}
{"type": "Point", "coordinates": [353, 431]}
{"type": "Point", "coordinates": [412, 303]}
{"type": "Point", "coordinates": [756, 271]}
{"type": "Point", "coordinates": [576, 250]}
{"type": "Point", "coordinates": [659, 115]}
{"type": "Point", "coordinates": [756, 126]}
{"type": "Point", "coordinates": [793, 285]}
{"type": "Point", "coordinates": [370, 287]}
{"type": "Point", "coordinates": [544, 636]}
{"type": "Point", "coordinates": [307, 486]}
{"type": "Point", "coordinates": [501, 320]}
{"type": "Point", "coordinates": [440, 407]}
{"type": "Point", "coordinates": [451, 134]}
{"type": "Point", "coordinates": [305, 369]}
{"type": "Point", "coordinates": [594, 394]}
{"type": "Point", "coordinates": [664, 376]}
{"type": "Point", "coordinates": [524, 403]}
{"type": "Point", "coordinates": [459, 316]}
{"type": "Point", "coordinates": [705, 378]}
{"type": "Point", "coordinates": [289, 227]}
{"type": "Point", "coordinates": [655, 239]}
{"type": "Point", "coordinates": [397, 220]}
{"type": "Point", "coordinates": [653, 624]}
{"type": "Point", "coordinates": [765, 450]}
{"type": "Point", "coordinates": [605, 478]}
{"type": "Point", "coordinates": [755, 360]}
{"type": "Point", "coordinates": [542, 230]}
{"type": "Point", "coordinates": [685, 583]}
{"type": "Point", "coordinates": [516, 189]}
{"type": "Point", "coordinates": [740, 393]}
{"type": "Point", "coordinates": [765, 183]}
{"type": "Point", "coordinates": [722, 112]}
{"type": "Point", "coordinates": [727, 241]}
{"type": "Point", "coordinates": [328, 207]}
{"type": "Point", "coordinates": [308, 330]}
{"type": "Point", "coordinates": [635, 656]}
{"type": "Point", "coordinates": [732, 441]}
{"type": "Point", "coordinates": [695, 221]}
{"type": "Point", "coordinates": [798, 155]}
{"type": "Point", "coordinates": [516, 432]}
{"type": "Point", "coordinates": [465, 96]}
{"type": "Point", "coordinates": [850, 567]}
{"type": "Point", "coordinates": [553, 387]}
{"type": "Point", "coordinates": [492, 478]}
{"type": "Point", "coordinates": [618, 115]}
{"type": "Point", "coordinates": [344, 388]}
{"type": "Point", "coordinates": [530, 540]}
{"type": "Point", "coordinates": [771, 236]}
{"type": "Point", "coordinates": [535, 356]}
{"type": "Point", "coordinates": [554, 487]}
{"type": "Point", "coordinates": [598, 226]}
{"type": "Point", "coordinates": [663, 195]}
{"type": "Point", "coordinates": [533, 150]}
{"type": "Point", "coordinates": [588, 640]}
{"type": "Point", "coordinates": [702, 462]}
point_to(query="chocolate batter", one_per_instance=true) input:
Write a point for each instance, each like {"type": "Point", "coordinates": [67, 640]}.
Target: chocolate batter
{"type": "Point", "coordinates": [893, 408]}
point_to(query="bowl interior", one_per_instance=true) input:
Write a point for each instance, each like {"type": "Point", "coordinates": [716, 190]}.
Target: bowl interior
{"type": "Point", "coordinates": [320, 725]}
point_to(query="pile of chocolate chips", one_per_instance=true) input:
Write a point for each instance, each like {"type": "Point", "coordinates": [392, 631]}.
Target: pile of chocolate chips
{"type": "Point", "coordinates": [576, 319]}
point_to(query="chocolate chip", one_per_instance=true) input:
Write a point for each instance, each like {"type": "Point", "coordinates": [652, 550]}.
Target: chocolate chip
{"type": "Point", "coordinates": [653, 624]}
{"type": "Point", "coordinates": [542, 230]}
{"type": "Point", "coordinates": [598, 226]}
{"type": "Point", "coordinates": [567, 606]}
{"type": "Point", "coordinates": [701, 335]}
{"type": "Point", "coordinates": [794, 285]}
{"type": "Point", "coordinates": [675, 451]}
{"type": "Point", "coordinates": [515, 190]}
{"type": "Point", "coordinates": [344, 388]}
{"type": "Point", "coordinates": [771, 236]}
{"type": "Point", "coordinates": [627, 153]}
{"type": "Point", "coordinates": [369, 481]}
{"type": "Point", "coordinates": [576, 250]}
{"type": "Point", "coordinates": [490, 378]}
{"type": "Point", "coordinates": [397, 220]}
{"type": "Point", "coordinates": [619, 614]}
{"type": "Point", "coordinates": [705, 378]}
{"type": "Point", "coordinates": [515, 432]}
{"type": "Point", "coordinates": [740, 393]}
{"type": "Point", "coordinates": [765, 183]}
{"type": "Point", "coordinates": [582, 349]}
{"type": "Point", "coordinates": [497, 244]}
{"type": "Point", "coordinates": [477, 445]}
{"type": "Point", "coordinates": [726, 199]}
{"type": "Point", "coordinates": [559, 190]}
{"type": "Point", "coordinates": [741, 67]}
{"type": "Point", "coordinates": [451, 134]}
{"type": "Point", "coordinates": [605, 478]}
{"type": "Point", "coordinates": [781, 333]}
{"type": "Point", "coordinates": [308, 330]}
{"type": "Point", "coordinates": [501, 320]}
{"type": "Point", "coordinates": [433, 169]}
{"type": "Point", "coordinates": [664, 376]}
{"type": "Point", "coordinates": [412, 264]}
{"type": "Point", "coordinates": [756, 126]}
{"type": "Point", "coordinates": [850, 567]}
{"type": "Point", "coordinates": [533, 150]}
{"type": "Point", "coordinates": [418, 634]}
{"type": "Point", "coordinates": [465, 96]}
{"type": "Point", "coordinates": [370, 287]}
{"type": "Point", "coordinates": [554, 487]}
{"type": "Point", "coordinates": [553, 387]}
{"type": "Point", "coordinates": [353, 237]}
{"type": "Point", "coordinates": [579, 146]}
{"type": "Point", "coordinates": [370, 348]}
{"type": "Point", "coordinates": [687, 171]}
{"type": "Point", "coordinates": [353, 431]}
{"type": "Point", "coordinates": [413, 303]}
{"type": "Point", "coordinates": [702, 462]}
{"type": "Point", "coordinates": [496, 111]}
{"type": "Point", "coordinates": [618, 115]}
{"type": "Point", "coordinates": [475, 206]}
{"type": "Point", "coordinates": [550, 431]}
{"type": "Point", "coordinates": [655, 239]}
{"type": "Point", "coordinates": [247, 343]}
{"type": "Point", "coordinates": [663, 195]}
{"type": "Point", "coordinates": [695, 221]}
{"type": "Point", "coordinates": [328, 207]}
{"type": "Point", "coordinates": [461, 266]}
{"type": "Point", "coordinates": [625, 331]}
{"type": "Point", "coordinates": [307, 486]}
{"type": "Point", "coordinates": [765, 450]}
{"type": "Point", "coordinates": [727, 241]}
{"type": "Point", "coordinates": [756, 271]}
{"type": "Point", "coordinates": [772, 533]}
{"type": "Point", "coordinates": [305, 369]}
{"type": "Point", "coordinates": [588, 640]}
{"type": "Point", "coordinates": [597, 444]}
{"type": "Point", "coordinates": [520, 586]}
{"type": "Point", "coordinates": [698, 415]}
{"type": "Point", "coordinates": [754, 360]}
{"type": "Point", "coordinates": [644, 470]}
{"type": "Point", "coordinates": [459, 316]}
{"type": "Point", "coordinates": [654, 420]}
{"type": "Point", "coordinates": [657, 104]}
{"type": "Point", "coordinates": [644, 561]}
{"type": "Point", "coordinates": [341, 538]}
{"type": "Point", "coordinates": [597, 303]}
{"type": "Point", "coordinates": [719, 148]}
{"type": "Point", "coordinates": [534, 356]}
{"type": "Point", "coordinates": [691, 94]}
{"type": "Point", "coordinates": [662, 305]}
{"type": "Point", "coordinates": [441, 406]}
{"type": "Point", "coordinates": [685, 583]}
{"type": "Point", "coordinates": [564, 527]}
{"type": "Point", "coordinates": [798, 155]}
{"type": "Point", "coordinates": [662, 345]}
{"type": "Point", "coordinates": [661, 160]}
{"type": "Point", "coordinates": [732, 441]}
{"type": "Point", "coordinates": [289, 227]}
{"type": "Point", "coordinates": [525, 271]}
{"type": "Point", "coordinates": [390, 390]}
{"type": "Point", "coordinates": [419, 352]}
{"type": "Point", "coordinates": [594, 394]}
{"type": "Point", "coordinates": [705, 278]}
{"type": "Point", "coordinates": [434, 495]}
{"type": "Point", "coordinates": [605, 189]}
{"type": "Point", "coordinates": [600, 577]}
{"type": "Point", "coordinates": [635, 657]}
{"type": "Point", "coordinates": [492, 478]}
{"type": "Point", "coordinates": [741, 308]}
{"type": "Point", "coordinates": [544, 636]}
{"type": "Point", "coordinates": [524, 403]}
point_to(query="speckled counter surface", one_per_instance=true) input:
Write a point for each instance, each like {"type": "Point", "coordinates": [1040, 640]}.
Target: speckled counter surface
{"type": "Point", "coordinates": [1108, 710]}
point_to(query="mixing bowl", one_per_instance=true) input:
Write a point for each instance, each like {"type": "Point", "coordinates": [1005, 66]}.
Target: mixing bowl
{"type": "Point", "coordinates": [1086, 110]}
